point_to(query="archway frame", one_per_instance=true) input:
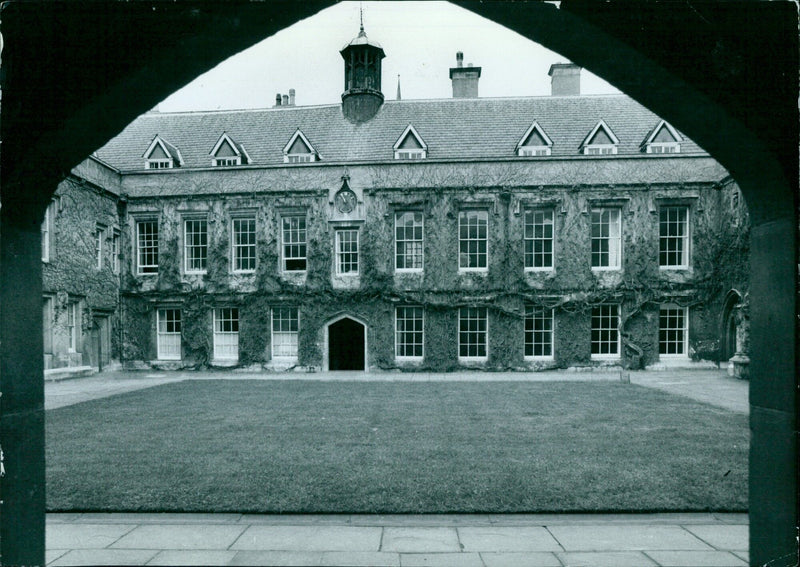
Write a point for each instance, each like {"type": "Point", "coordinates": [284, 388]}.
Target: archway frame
{"type": "Point", "coordinates": [46, 130]}
{"type": "Point", "coordinates": [326, 339]}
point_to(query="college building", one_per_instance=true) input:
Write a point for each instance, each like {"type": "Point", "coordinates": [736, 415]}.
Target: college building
{"type": "Point", "coordinates": [516, 233]}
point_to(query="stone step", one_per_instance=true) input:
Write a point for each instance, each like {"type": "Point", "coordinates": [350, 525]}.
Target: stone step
{"type": "Point", "coordinates": [67, 373]}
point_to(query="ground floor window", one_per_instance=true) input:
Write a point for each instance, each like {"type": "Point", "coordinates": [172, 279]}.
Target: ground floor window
{"type": "Point", "coordinates": [409, 333]}
{"type": "Point", "coordinates": [472, 333]}
{"type": "Point", "coordinates": [169, 334]}
{"type": "Point", "coordinates": [73, 325]}
{"type": "Point", "coordinates": [538, 332]}
{"type": "Point", "coordinates": [226, 333]}
{"type": "Point", "coordinates": [285, 327]}
{"type": "Point", "coordinates": [47, 323]}
{"type": "Point", "coordinates": [673, 331]}
{"type": "Point", "coordinates": [605, 331]}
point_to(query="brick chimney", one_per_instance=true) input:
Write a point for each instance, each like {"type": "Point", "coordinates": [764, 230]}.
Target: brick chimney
{"type": "Point", "coordinates": [465, 79]}
{"type": "Point", "coordinates": [565, 79]}
{"type": "Point", "coordinates": [291, 97]}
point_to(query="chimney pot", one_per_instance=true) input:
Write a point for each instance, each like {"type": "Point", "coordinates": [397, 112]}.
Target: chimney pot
{"type": "Point", "coordinates": [464, 79]}
{"type": "Point", "coordinates": [291, 97]}
{"type": "Point", "coordinates": [459, 59]}
{"type": "Point", "coordinates": [278, 99]}
{"type": "Point", "coordinates": [285, 100]}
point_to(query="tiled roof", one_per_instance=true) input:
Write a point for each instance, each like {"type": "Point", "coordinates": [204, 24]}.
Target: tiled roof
{"type": "Point", "coordinates": [453, 129]}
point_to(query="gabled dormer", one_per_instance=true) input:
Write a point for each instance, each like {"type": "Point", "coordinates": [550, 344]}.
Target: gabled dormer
{"type": "Point", "coordinates": [664, 139]}
{"type": "Point", "coordinates": [162, 155]}
{"type": "Point", "coordinates": [410, 145]}
{"type": "Point", "coordinates": [535, 142]}
{"type": "Point", "coordinates": [227, 153]}
{"type": "Point", "coordinates": [600, 141]}
{"type": "Point", "coordinates": [299, 149]}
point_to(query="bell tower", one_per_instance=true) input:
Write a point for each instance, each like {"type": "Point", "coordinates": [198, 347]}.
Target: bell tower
{"type": "Point", "coordinates": [362, 96]}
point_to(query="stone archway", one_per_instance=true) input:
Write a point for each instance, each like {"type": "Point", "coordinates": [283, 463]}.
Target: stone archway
{"type": "Point", "coordinates": [346, 344]}
{"type": "Point", "coordinates": [735, 100]}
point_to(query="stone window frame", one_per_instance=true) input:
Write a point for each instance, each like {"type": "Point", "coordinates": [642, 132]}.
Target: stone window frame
{"type": "Point", "coordinates": [221, 336]}
{"type": "Point", "coordinates": [531, 312]}
{"type": "Point", "coordinates": [140, 219]}
{"type": "Point", "coordinates": [167, 333]}
{"type": "Point", "coordinates": [684, 204]}
{"type": "Point", "coordinates": [99, 235]}
{"type": "Point", "coordinates": [187, 247]}
{"type": "Point", "coordinates": [239, 216]}
{"type": "Point", "coordinates": [341, 255]}
{"type": "Point", "coordinates": [601, 207]}
{"type": "Point", "coordinates": [677, 312]}
{"type": "Point", "coordinates": [599, 315]}
{"type": "Point", "coordinates": [74, 329]}
{"type": "Point", "coordinates": [115, 250]}
{"type": "Point", "coordinates": [399, 334]}
{"type": "Point", "coordinates": [480, 313]}
{"type": "Point", "coordinates": [400, 212]}
{"type": "Point", "coordinates": [47, 229]}
{"type": "Point", "coordinates": [533, 209]}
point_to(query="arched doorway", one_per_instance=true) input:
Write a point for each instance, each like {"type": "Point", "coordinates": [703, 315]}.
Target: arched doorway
{"type": "Point", "coordinates": [728, 325]}
{"type": "Point", "coordinates": [346, 340]}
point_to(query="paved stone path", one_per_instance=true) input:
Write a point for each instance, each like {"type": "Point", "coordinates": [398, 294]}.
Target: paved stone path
{"type": "Point", "coordinates": [618, 540]}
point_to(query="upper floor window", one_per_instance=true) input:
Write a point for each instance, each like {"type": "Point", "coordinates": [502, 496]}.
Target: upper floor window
{"type": "Point", "coordinates": [160, 154]}
{"type": "Point", "coordinates": [115, 251]}
{"type": "Point", "coordinates": [605, 331]}
{"type": "Point", "coordinates": [664, 139]}
{"type": "Point", "coordinates": [408, 241]}
{"type": "Point", "coordinates": [538, 237]}
{"type": "Point", "coordinates": [147, 247]}
{"type": "Point", "coordinates": [534, 142]}
{"type": "Point", "coordinates": [98, 247]}
{"type": "Point", "coordinates": [473, 240]}
{"type": "Point", "coordinates": [410, 145]}
{"type": "Point", "coordinates": [168, 335]}
{"type": "Point", "coordinates": [299, 149]}
{"type": "Point", "coordinates": [600, 141]}
{"type": "Point", "coordinates": [195, 245]}
{"type": "Point", "coordinates": [48, 223]}
{"type": "Point", "coordinates": [227, 153]}
{"type": "Point", "coordinates": [294, 243]}
{"type": "Point", "coordinates": [606, 238]}
{"type": "Point", "coordinates": [243, 239]}
{"type": "Point", "coordinates": [347, 251]}
{"type": "Point", "coordinates": [673, 237]}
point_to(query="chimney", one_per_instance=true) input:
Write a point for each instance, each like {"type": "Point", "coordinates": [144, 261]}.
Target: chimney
{"type": "Point", "coordinates": [565, 79]}
{"type": "Point", "coordinates": [277, 99]}
{"type": "Point", "coordinates": [285, 100]}
{"type": "Point", "coordinates": [465, 79]}
{"type": "Point", "coordinates": [291, 97]}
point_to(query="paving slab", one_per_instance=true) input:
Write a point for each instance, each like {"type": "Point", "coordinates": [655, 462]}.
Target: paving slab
{"type": "Point", "coordinates": [157, 518]}
{"type": "Point", "coordinates": [696, 559]}
{"type": "Point", "coordinates": [51, 555]}
{"type": "Point", "coordinates": [732, 518]}
{"type": "Point", "coordinates": [296, 519]}
{"type": "Point", "coordinates": [507, 538]}
{"type": "Point", "coordinates": [729, 537]}
{"type": "Point", "coordinates": [606, 519]}
{"type": "Point", "coordinates": [626, 538]}
{"type": "Point", "coordinates": [309, 538]}
{"type": "Point", "coordinates": [531, 559]}
{"type": "Point", "coordinates": [420, 520]}
{"type": "Point", "coordinates": [177, 536]}
{"type": "Point", "coordinates": [420, 540]}
{"type": "Point", "coordinates": [84, 536]}
{"type": "Point", "coordinates": [278, 558]}
{"type": "Point", "coordinates": [192, 557]}
{"type": "Point", "coordinates": [745, 555]}
{"type": "Point", "coordinates": [605, 559]}
{"type": "Point", "coordinates": [441, 559]}
{"type": "Point", "coordinates": [360, 559]}
{"type": "Point", "coordinates": [93, 557]}
{"type": "Point", "coordinates": [62, 517]}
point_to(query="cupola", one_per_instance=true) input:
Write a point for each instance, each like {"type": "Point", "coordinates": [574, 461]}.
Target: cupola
{"type": "Point", "coordinates": [362, 96]}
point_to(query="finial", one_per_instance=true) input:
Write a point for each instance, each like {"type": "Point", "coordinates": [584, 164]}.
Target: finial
{"type": "Point", "coordinates": [361, 17]}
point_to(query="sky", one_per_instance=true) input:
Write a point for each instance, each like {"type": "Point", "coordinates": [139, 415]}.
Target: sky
{"type": "Point", "coordinates": [420, 40]}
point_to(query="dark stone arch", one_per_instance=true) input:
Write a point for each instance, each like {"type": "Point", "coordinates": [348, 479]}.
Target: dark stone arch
{"type": "Point", "coordinates": [74, 74]}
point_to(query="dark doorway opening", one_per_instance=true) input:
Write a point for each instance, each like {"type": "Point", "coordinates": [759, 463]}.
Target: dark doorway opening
{"type": "Point", "coordinates": [728, 328]}
{"type": "Point", "coordinates": [346, 345]}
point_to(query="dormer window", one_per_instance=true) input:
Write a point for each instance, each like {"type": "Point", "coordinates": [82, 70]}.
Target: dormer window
{"type": "Point", "coordinates": [600, 141]}
{"type": "Point", "coordinates": [410, 145]}
{"type": "Point", "coordinates": [299, 149]}
{"type": "Point", "coordinates": [227, 153]}
{"type": "Point", "coordinates": [664, 139]}
{"type": "Point", "coordinates": [534, 142]}
{"type": "Point", "coordinates": [161, 155]}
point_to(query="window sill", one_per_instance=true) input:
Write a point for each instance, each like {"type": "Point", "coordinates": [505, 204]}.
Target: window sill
{"type": "Point", "coordinates": [550, 269]}
{"type": "Point", "coordinates": [409, 271]}
{"type": "Point", "coordinates": [472, 359]}
{"type": "Point", "coordinates": [473, 270]}
{"type": "Point", "coordinates": [409, 359]}
{"type": "Point", "coordinates": [243, 272]}
{"type": "Point", "coordinates": [539, 358]}
{"type": "Point", "coordinates": [606, 357]}
{"type": "Point", "coordinates": [226, 362]}
{"type": "Point", "coordinates": [606, 269]}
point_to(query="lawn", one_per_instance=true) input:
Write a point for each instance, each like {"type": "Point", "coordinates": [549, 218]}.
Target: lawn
{"type": "Point", "coordinates": [375, 447]}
